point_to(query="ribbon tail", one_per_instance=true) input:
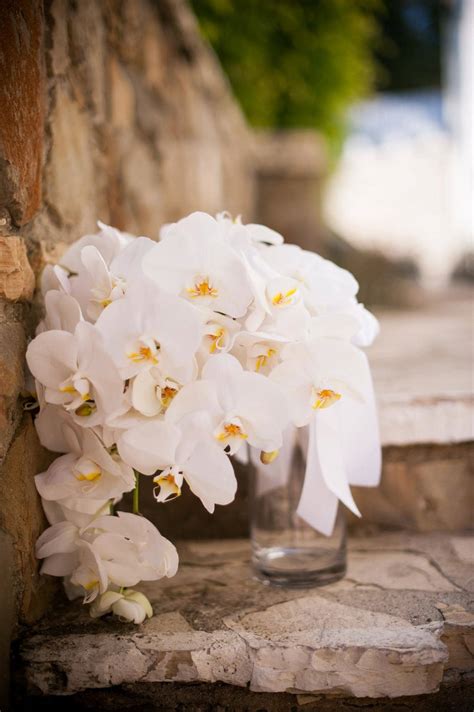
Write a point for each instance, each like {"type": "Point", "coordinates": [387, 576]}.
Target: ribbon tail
{"type": "Point", "coordinates": [359, 435]}
{"type": "Point", "coordinates": [328, 445]}
{"type": "Point", "coordinates": [318, 504]}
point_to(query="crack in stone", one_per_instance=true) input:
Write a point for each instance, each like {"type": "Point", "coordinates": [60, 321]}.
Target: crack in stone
{"type": "Point", "coordinates": [417, 552]}
{"type": "Point", "coordinates": [360, 584]}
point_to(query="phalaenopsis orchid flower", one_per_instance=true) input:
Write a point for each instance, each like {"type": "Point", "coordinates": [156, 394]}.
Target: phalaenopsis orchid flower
{"type": "Point", "coordinates": [163, 360]}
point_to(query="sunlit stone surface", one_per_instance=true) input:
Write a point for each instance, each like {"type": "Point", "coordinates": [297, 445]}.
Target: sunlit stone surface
{"type": "Point", "coordinates": [399, 624]}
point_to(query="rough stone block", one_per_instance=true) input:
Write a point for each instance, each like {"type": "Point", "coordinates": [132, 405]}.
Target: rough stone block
{"type": "Point", "coordinates": [12, 350]}
{"type": "Point", "coordinates": [7, 615]}
{"type": "Point", "coordinates": [58, 50]}
{"type": "Point", "coordinates": [86, 33]}
{"type": "Point", "coordinates": [121, 96]}
{"type": "Point", "coordinates": [458, 636]}
{"type": "Point", "coordinates": [21, 517]}
{"type": "Point", "coordinates": [22, 89]}
{"type": "Point", "coordinates": [17, 280]}
{"type": "Point", "coordinates": [71, 179]}
{"type": "Point", "coordinates": [398, 625]}
{"type": "Point", "coordinates": [423, 487]}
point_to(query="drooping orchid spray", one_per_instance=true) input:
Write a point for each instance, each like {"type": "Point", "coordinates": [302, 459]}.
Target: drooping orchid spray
{"type": "Point", "coordinates": [164, 360]}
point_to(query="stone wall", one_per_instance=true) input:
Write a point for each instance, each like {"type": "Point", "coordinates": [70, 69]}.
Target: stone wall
{"type": "Point", "coordinates": [112, 110]}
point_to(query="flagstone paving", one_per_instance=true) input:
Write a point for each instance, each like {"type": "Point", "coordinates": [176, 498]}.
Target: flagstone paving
{"type": "Point", "coordinates": [400, 623]}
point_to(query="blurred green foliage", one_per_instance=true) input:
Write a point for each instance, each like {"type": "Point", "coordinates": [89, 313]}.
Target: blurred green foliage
{"type": "Point", "coordinates": [409, 53]}
{"type": "Point", "coordinates": [294, 63]}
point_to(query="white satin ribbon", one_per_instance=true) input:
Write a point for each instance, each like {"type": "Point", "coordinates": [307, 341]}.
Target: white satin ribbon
{"type": "Point", "coordinates": [318, 504]}
{"type": "Point", "coordinates": [358, 428]}
{"type": "Point", "coordinates": [344, 448]}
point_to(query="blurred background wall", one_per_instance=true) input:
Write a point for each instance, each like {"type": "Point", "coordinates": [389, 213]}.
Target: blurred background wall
{"type": "Point", "coordinates": [388, 86]}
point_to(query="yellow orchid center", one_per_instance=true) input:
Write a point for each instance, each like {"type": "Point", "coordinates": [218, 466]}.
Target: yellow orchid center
{"type": "Point", "coordinates": [203, 289]}
{"type": "Point", "coordinates": [88, 477]}
{"type": "Point", "coordinates": [281, 299]}
{"type": "Point", "coordinates": [267, 457]}
{"type": "Point", "coordinates": [167, 395]}
{"type": "Point", "coordinates": [144, 353]}
{"type": "Point", "coordinates": [169, 489]}
{"type": "Point", "coordinates": [86, 409]}
{"type": "Point", "coordinates": [232, 430]}
{"type": "Point", "coordinates": [263, 358]}
{"type": "Point", "coordinates": [217, 340]}
{"type": "Point", "coordinates": [77, 389]}
{"type": "Point", "coordinates": [72, 390]}
{"type": "Point", "coordinates": [325, 398]}
{"type": "Point", "coordinates": [86, 470]}
{"type": "Point", "coordinates": [90, 585]}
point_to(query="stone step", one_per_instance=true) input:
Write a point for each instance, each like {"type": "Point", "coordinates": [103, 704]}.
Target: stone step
{"type": "Point", "coordinates": [422, 364]}
{"type": "Point", "coordinates": [400, 624]}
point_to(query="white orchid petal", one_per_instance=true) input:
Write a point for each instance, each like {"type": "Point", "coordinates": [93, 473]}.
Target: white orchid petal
{"type": "Point", "coordinates": [169, 331]}
{"type": "Point", "coordinates": [50, 427]}
{"type": "Point", "coordinates": [123, 574]}
{"type": "Point", "coordinates": [96, 266]}
{"type": "Point", "coordinates": [103, 604]}
{"type": "Point", "coordinates": [62, 312]}
{"type": "Point", "coordinates": [109, 241]}
{"type": "Point", "coordinates": [141, 600]}
{"type": "Point", "coordinates": [196, 396]}
{"type": "Point", "coordinates": [52, 356]}
{"type": "Point", "coordinates": [149, 447]}
{"type": "Point", "coordinates": [144, 394]}
{"type": "Point", "coordinates": [193, 254]}
{"type": "Point", "coordinates": [61, 538]}
{"type": "Point", "coordinates": [129, 610]}
{"type": "Point", "coordinates": [210, 475]}
{"type": "Point", "coordinates": [100, 370]}
{"type": "Point", "coordinates": [128, 263]}
{"type": "Point", "coordinates": [261, 233]}
{"type": "Point", "coordinates": [59, 564]}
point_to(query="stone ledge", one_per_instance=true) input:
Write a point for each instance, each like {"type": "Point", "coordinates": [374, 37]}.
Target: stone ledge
{"type": "Point", "coordinates": [412, 420]}
{"type": "Point", "coordinates": [423, 488]}
{"type": "Point", "coordinates": [422, 367]}
{"type": "Point", "coordinates": [399, 624]}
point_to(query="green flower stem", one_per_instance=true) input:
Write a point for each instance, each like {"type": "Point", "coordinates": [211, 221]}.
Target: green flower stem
{"type": "Point", "coordinates": [136, 494]}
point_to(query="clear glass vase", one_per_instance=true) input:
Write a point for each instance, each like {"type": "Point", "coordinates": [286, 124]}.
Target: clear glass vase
{"type": "Point", "coordinates": [286, 551]}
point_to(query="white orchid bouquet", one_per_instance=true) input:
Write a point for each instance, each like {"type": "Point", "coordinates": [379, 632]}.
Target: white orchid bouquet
{"type": "Point", "coordinates": [163, 359]}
